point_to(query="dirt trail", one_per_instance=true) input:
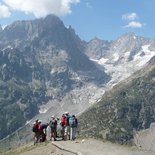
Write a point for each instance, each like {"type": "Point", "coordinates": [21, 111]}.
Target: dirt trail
{"type": "Point", "coordinates": [46, 148]}
{"type": "Point", "coordinates": [95, 147]}
{"type": "Point", "coordinates": [49, 149]}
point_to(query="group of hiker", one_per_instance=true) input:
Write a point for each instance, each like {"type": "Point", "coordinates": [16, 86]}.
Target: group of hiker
{"type": "Point", "coordinates": [67, 125]}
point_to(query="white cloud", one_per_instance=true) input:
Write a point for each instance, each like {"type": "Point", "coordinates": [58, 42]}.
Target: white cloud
{"type": "Point", "coordinates": [129, 16]}
{"type": "Point", "coordinates": [131, 19]}
{"type": "Point", "coordinates": [4, 11]}
{"type": "Point", "coordinates": [134, 24]}
{"type": "Point", "coordinates": [41, 8]}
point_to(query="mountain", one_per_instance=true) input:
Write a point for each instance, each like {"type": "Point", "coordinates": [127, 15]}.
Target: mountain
{"type": "Point", "coordinates": [97, 48]}
{"type": "Point", "coordinates": [121, 57]}
{"type": "Point", "coordinates": [127, 108]}
{"type": "Point", "coordinates": [41, 62]}
{"type": "Point", "coordinates": [46, 69]}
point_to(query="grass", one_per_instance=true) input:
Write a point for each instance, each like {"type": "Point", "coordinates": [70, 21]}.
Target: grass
{"type": "Point", "coordinates": [22, 149]}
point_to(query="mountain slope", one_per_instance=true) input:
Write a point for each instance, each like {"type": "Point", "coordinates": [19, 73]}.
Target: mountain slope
{"type": "Point", "coordinates": [19, 98]}
{"type": "Point", "coordinates": [127, 107]}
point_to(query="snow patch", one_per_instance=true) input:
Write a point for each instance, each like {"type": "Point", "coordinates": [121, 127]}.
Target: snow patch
{"type": "Point", "coordinates": [116, 56]}
{"type": "Point", "coordinates": [27, 122]}
{"type": "Point", "coordinates": [101, 61]}
{"type": "Point", "coordinates": [8, 47]}
{"type": "Point", "coordinates": [42, 110]}
{"type": "Point", "coordinates": [4, 65]}
{"type": "Point", "coordinates": [146, 48]}
{"type": "Point", "coordinates": [53, 71]}
{"type": "Point", "coordinates": [142, 60]}
{"type": "Point", "coordinates": [75, 77]}
{"type": "Point", "coordinates": [127, 54]}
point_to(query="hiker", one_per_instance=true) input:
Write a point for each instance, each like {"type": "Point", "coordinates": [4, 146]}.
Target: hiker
{"type": "Point", "coordinates": [75, 124]}
{"type": "Point", "coordinates": [48, 133]}
{"type": "Point", "coordinates": [58, 130]}
{"type": "Point", "coordinates": [42, 129]}
{"type": "Point", "coordinates": [63, 123]}
{"type": "Point", "coordinates": [67, 127]}
{"type": "Point", "coordinates": [53, 125]}
{"type": "Point", "coordinates": [35, 129]}
{"type": "Point", "coordinates": [71, 124]}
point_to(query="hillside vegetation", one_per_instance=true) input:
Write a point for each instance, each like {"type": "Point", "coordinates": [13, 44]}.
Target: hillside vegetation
{"type": "Point", "coordinates": [129, 106]}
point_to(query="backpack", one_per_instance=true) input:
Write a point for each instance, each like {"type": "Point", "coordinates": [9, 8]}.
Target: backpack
{"type": "Point", "coordinates": [63, 121]}
{"type": "Point", "coordinates": [75, 122]}
{"type": "Point", "coordinates": [71, 121]}
{"type": "Point", "coordinates": [35, 128]}
{"type": "Point", "coordinates": [43, 126]}
{"type": "Point", "coordinates": [53, 124]}
{"type": "Point", "coordinates": [68, 118]}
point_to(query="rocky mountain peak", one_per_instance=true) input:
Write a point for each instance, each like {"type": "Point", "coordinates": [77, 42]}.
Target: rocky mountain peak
{"type": "Point", "coordinates": [128, 35]}
{"type": "Point", "coordinates": [50, 22]}
{"type": "Point", "coordinates": [96, 39]}
{"type": "Point", "coordinates": [97, 48]}
{"type": "Point", "coordinates": [28, 30]}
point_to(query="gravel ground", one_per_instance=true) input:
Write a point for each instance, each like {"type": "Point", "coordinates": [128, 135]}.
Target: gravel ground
{"type": "Point", "coordinates": [95, 147]}
{"type": "Point", "coordinates": [49, 149]}
{"type": "Point", "coordinates": [77, 147]}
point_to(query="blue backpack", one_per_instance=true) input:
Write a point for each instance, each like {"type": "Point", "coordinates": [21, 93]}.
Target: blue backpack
{"type": "Point", "coordinates": [73, 122]}
{"type": "Point", "coordinates": [53, 124]}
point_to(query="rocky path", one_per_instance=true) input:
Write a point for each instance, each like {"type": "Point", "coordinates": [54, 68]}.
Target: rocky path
{"type": "Point", "coordinates": [41, 149]}
{"type": "Point", "coordinates": [95, 147]}
{"type": "Point", "coordinates": [49, 149]}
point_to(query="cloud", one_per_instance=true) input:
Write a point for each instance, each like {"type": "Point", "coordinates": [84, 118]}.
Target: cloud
{"type": "Point", "coordinates": [129, 16]}
{"type": "Point", "coordinates": [41, 8]}
{"type": "Point", "coordinates": [4, 11]}
{"type": "Point", "coordinates": [132, 20]}
{"type": "Point", "coordinates": [134, 24]}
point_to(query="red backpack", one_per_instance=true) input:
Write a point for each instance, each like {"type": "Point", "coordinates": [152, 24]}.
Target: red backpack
{"type": "Point", "coordinates": [35, 128]}
{"type": "Point", "coordinates": [63, 120]}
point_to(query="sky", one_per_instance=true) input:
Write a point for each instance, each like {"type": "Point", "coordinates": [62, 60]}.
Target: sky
{"type": "Point", "coordinates": [105, 19]}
